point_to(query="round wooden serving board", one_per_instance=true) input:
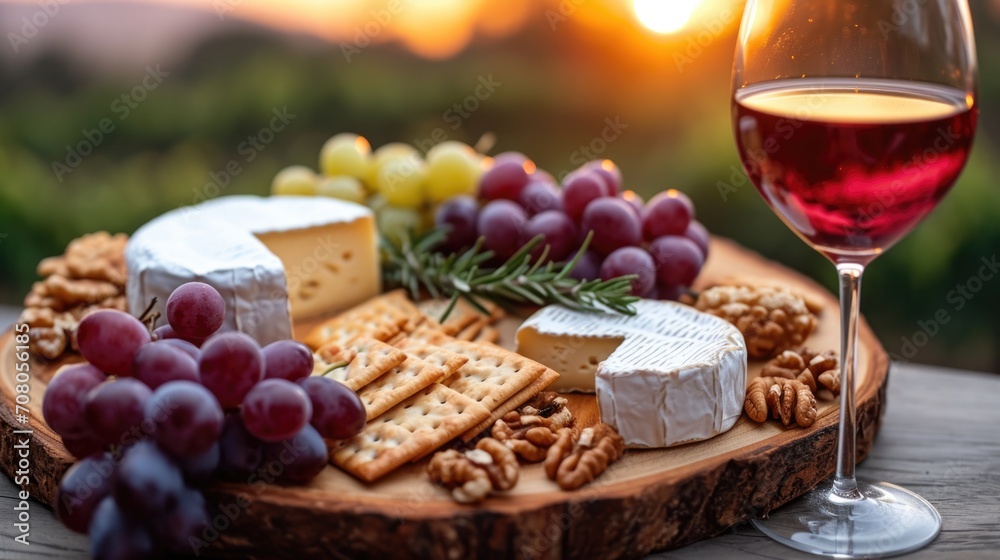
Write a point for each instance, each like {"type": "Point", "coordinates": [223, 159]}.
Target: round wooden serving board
{"type": "Point", "coordinates": [649, 500]}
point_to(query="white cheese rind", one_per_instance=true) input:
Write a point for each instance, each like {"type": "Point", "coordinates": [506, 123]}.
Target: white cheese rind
{"type": "Point", "coordinates": [679, 375]}
{"type": "Point", "coordinates": [216, 242]}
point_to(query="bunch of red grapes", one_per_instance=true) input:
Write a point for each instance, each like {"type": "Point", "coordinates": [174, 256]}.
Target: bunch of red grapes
{"type": "Point", "coordinates": [659, 241]}
{"type": "Point", "coordinates": [155, 417]}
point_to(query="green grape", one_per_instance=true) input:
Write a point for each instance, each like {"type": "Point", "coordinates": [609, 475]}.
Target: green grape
{"type": "Point", "coordinates": [345, 154]}
{"type": "Point", "coordinates": [343, 187]}
{"type": "Point", "coordinates": [453, 168]}
{"type": "Point", "coordinates": [376, 202]}
{"type": "Point", "coordinates": [386, 153]}
{"type": "Point", "coordinates": [295, 180]}
{"type": "Point", "coordinates": [394, 222]}
{"type": "Point", "coordinates": [402, 182]}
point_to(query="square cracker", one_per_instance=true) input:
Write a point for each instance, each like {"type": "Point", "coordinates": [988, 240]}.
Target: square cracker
{"type": "Point", "coordinates": [407, 432]}
{"type": "Point", "coordinates": [519, 398]}
{"type": "Point", "coordinates": [492, 375]}
{"type": "Point", "coordinates": [488, 334]}
{"type": "Point", "coordinates": [380, 318]}
{"type": "Point", "coordinates": [366, 359]}
{"type": "Point", "coordinates": [400, 383]}
{"type": "Point", "coordinates": [462, 315]}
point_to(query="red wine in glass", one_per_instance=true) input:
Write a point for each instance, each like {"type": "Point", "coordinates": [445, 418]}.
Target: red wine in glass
{"type": "Point", "coordinates": [852, 165]}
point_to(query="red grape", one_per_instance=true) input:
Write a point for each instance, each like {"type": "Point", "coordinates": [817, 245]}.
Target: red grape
{"type": "Point", "coordinates": [678, 260]}
{"type": "Point", "coordinates": [166, 332]}
{"type": "Point", "coordinates": [699, 234]}
{"type": "Point", "coordinates": [200, 468]}
{"type": "Point", "coordinates": [240, 454]}
{"type": "Point", "coordinates": [116, 535]}
{"type": "Point", "coordinates": [276, 409]}
{"type": "Point", "coordinates": [114, 408]}
{"type": "Point", "coordinates": [667, 213]}
{"type": "Point", "coordinates": [515, 157]}
{"type": "Point", "coordinates": [542, 176]}
{"type": "Point", "coordinates": [231, 364]}
{"type": "Point", "coordinates": [670, 293]}
{"type": "Point", "coordinates": [614, 224]}
{"type": "Point", "coordinates": [163, 361]}
{"type": "Point", "coordinates": [588, 267]}
{"type": "Point", "coordinates": [287, 359]}
{"type": "Point", "coordinates": [634, 200]}
{"type": "Point", "coordinates": [631, 260]}
{"type": "Point", "coordinates": [195, 310]}
{"type": "Point", "coordinates": [147, 483]}
{"type": "Point", "coordinates": [459, 214]}
{"type": "Point", "coordinates": [187, 417]}
{"type": "Point", "coordinates": [580, 188]}
{"type": "Point", "coordinates": [338, 412]}
{"type": "Point", "coordinates": [500, 223]}
{"type": "Point", "coordinates": [109, 339]}
{"type": "Point", "coordinates": [302, 457]}
{"type": "Point", "coordinates": [609, 171]}
{"type": "Point", "coordinates": [188, 348]}
{"type": "Point", "coordinates": [186, 521]}
{"type": "Point", "coordinates": [560, 234]}
{"type": "Point", "coordinates": [81, 489]}
{"type": "Point", "coordinates": [505, 180]}
{"type": "Point", "coordinates": [83, 445]}
{"type": "Point", "coordinates": [62, 406]}
{"type": "Point", "coordinates": [538, 197]}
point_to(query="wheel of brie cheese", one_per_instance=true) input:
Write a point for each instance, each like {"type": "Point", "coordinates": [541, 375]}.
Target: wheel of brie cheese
{"type": "Point", "coordinates": [668, 375]}
{"type": "Point", "coordinates": [273, 259]}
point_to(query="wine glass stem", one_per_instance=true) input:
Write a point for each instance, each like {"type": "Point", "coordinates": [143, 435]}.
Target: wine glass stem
{"type": "Point", "coordinates": [845, 486]}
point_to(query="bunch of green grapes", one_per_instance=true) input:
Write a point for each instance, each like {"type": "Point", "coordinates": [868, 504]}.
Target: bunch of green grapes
{"type": "Point", "coordinates": [402, 186]}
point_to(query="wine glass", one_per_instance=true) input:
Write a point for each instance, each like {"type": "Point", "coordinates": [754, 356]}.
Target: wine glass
{"type": "Point", "coordinates": [853, 119]}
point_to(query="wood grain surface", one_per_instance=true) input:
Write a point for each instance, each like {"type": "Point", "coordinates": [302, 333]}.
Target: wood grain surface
{"type": "Point", "coordinates": [651, 499]}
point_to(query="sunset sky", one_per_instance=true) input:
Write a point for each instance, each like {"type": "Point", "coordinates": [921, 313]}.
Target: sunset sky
{"type": "Point", "coordinates": [441, 28]}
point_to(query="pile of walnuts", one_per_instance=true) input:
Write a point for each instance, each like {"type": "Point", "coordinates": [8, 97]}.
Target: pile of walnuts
{"type": "Point", "coordinates": [91, 275]}
{"type": "Point", "coordinates": [541, 430]}
{"type": "Point", "coordinates": [771, 319]}
{"type": "Point", "coordinates": [788, 384]}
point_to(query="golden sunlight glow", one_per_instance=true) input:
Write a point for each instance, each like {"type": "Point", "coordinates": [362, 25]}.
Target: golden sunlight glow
{"type": "Point", "coordinates": [664, 16]}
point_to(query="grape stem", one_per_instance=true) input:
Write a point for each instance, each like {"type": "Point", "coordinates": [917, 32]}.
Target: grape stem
{"type": "Point", "coordinates": [415, 265]}
{"type": "Point", "coordinates": [149, 317]}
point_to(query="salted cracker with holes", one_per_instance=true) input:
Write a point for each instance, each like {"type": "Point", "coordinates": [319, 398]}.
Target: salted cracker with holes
{"type": "Point", "coordinates": [402, 382]}
{"type": "Point", "coordinates": [513, 403]}
{"type": "Point", "coordinates": [462, 315]}
{"type": "Point", "coordinates": [360, 361]}
{"type": "Point", "coordinates": [380, 318]}
{"type": "Point", "coordinates": [407, 432]}
{"type": "Point", "coordinates": [492, 375]}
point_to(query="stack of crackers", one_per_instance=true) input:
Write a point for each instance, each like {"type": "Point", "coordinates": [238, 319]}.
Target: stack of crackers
{"type": "Point", "coordinates": [423, 383]}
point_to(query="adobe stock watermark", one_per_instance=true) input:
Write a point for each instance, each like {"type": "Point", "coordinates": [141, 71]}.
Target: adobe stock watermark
{"type": "Point", "coordinates": [563, 11]}
{"type": "Point", "coordinates": [613, 129]}
{"type": "Point", "coordinates": [366, 33]}
{"type": "Point", "coordinates": [756, 157]}
{"type": "Point", "coordinates": [459, 112]}
{"type": "Point", "coordinates": [121, 107]}
{"type": "Point", "coordinates": [902, 12]}
{"type": "Point", "coordinates": [709, 31]}
{"type": "Point", "coordinates": [958, 298]}
{"type": "Point", "coordinates": [223, 7]}
{"type": "Point", "coordinates": [32, 24]}
{"type": "Point", "coordinates": [249, 149]}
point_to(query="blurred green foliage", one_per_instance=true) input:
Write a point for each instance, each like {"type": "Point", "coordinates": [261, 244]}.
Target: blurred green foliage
{"type": "Point", "coordinates": [558, 88]}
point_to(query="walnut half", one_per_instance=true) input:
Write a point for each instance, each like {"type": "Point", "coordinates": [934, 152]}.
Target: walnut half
{"type": "Point", "coordinates": [771, 319]}
{"type": "Point", "coordinates": [530, 431]}
{"type": "Point", "coordinates": [575, 462]}
{"type": "Point", "coordinates": [474, 474]}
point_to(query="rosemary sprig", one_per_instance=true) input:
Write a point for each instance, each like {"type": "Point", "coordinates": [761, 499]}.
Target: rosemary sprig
{"type": "Point", "coordinates": [415, 265]}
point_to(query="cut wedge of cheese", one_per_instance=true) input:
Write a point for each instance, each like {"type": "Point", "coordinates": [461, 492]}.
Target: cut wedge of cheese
{"type": "Point", "coordinates": [272, 259]}
{"type": "Point", "coordinates": [668, 375]}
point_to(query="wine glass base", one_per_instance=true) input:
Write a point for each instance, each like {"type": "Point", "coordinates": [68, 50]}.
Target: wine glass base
{"type": "Point", "coordinates": [887, 521]}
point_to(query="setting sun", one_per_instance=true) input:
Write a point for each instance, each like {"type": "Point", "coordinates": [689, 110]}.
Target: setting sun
{"type": "Point", "coordinates": [664, 17]}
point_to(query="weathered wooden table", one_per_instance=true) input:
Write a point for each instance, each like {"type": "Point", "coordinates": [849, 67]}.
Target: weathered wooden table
{"type": "Point", "coordinates": [940, 438]}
